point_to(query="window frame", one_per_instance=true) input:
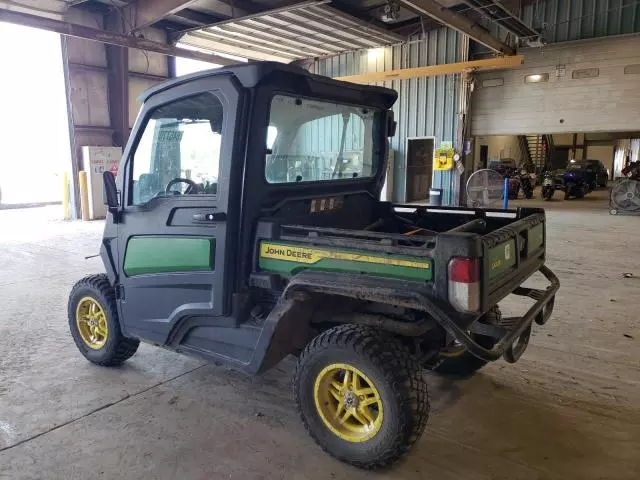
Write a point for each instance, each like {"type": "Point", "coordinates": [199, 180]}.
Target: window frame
{"type": "Point", "coordinates": [140, 131]}
{"type": "Point", "coordinates": [378, 122]}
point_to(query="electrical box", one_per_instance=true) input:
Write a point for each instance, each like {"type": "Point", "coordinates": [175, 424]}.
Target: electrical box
{"type": "Point", "coordinates": [444, 157]}
{"type": "Point", "coordinates": [96, 161]}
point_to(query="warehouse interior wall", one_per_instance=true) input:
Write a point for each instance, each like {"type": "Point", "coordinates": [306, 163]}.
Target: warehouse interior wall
{"type": "Point", "coordinates": [604, 153]}
{"type": "Point", "coordinates": [587, 86]}
{"type": "Point", "coordinates": [426, 107]}
{"type": "Point", "coordinates": [499, 147]}
{"type": "Point", "coordinates": [34, 150]}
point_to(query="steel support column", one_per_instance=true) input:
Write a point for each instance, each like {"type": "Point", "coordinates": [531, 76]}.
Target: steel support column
{"type": "Point", "coordinates": [118, 81]}
{"type": "Point", "coordinates": [74, 197]}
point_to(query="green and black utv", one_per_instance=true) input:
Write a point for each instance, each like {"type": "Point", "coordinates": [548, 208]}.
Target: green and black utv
{"type": "Point", "coordinates": [246, 225]}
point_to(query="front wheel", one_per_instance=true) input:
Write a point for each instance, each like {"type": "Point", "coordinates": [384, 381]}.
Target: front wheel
{"type": "Point", "coordinates": [93, 321]}
{"type": "Point", "coordinates": [361, 395]}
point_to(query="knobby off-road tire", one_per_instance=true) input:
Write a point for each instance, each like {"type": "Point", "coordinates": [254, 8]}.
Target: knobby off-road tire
{"type": "Point", "coordinates": [93, 321]}
{"type": "Point", "coordinates": [459, 361]}
{"type": "Point", "coordinates": [391, 395]}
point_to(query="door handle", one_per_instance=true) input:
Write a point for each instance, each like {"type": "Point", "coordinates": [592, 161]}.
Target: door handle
{"type": "Point", "coordinates": [209, 217]}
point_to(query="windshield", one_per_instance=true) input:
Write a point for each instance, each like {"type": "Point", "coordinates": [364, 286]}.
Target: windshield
{"type": "Point", "coordinates": [312, 140]}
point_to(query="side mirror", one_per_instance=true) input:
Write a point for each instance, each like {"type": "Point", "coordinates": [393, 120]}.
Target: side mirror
{"type": "Point", "coordinates": [110, 192]}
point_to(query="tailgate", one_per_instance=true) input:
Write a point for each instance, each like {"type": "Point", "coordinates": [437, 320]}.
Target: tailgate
{"type": "Point", "coordinates": [511, 255]}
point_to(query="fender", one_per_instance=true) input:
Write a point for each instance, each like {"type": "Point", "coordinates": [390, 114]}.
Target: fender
{"type": "Point", "coordinates": [417, 296]}
{"type": "Point", "coordinates": [109, 256]}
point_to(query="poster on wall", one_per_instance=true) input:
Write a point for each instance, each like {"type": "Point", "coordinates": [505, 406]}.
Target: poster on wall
{"type": "Point", "coordinates": [96, 161]}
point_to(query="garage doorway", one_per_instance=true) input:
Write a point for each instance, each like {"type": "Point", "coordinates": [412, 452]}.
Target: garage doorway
{"type": "Point", "coordinates": [35, 150]}
{"type": "Point", "coordinates": [420, 152]}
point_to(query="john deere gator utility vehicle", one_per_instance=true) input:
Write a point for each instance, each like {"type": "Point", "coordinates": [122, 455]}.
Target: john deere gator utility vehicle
{"type": "Point", "coordinates": [245, 226]}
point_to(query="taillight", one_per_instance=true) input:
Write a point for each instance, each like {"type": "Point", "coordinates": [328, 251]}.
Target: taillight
{"type": "Point", "coordinates": [464, 284]}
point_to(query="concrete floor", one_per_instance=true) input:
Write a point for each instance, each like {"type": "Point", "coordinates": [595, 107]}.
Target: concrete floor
{"type": "Point", "coordinates": [570, 409]}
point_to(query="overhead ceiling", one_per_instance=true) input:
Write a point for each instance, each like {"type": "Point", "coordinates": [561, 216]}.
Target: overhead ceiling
{"type": "Point", "coordinates": [289, 30]}
{"type": "Point", "coordinates": [307, 30]}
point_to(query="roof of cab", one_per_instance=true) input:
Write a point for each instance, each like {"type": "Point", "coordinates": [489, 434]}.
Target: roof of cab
{"type": "Point", "coordinates": [252, 73]}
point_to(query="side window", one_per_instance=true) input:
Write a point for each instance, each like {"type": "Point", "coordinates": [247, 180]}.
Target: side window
{"type": "Point", "coordinates": [179, 150]}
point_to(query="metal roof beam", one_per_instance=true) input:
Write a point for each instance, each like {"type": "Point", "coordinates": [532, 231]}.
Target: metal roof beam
{"type": "Point", "coordinates": [110, 38]}
{"type": "Point", "coordinates": [144, 13]}
{"type": "Point", "coordinates": [462, 24]}
{"type": "Point", "coordinates": [195, 17]}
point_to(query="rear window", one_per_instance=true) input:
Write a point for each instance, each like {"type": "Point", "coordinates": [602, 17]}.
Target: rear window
{"type": "Point", "coordinates": [316, 140]}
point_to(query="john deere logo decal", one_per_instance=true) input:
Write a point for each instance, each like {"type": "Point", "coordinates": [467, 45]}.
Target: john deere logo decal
{"type": "Point", "coordinates": [298, 254]}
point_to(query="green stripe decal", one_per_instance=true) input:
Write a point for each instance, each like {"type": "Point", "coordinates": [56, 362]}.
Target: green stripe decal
{"type": "Point", "coordinates": [167, 254]}
{"type": "Point", "coordinates": [502, 258]}
{"type": "Point", "coordinates": [288, 259]}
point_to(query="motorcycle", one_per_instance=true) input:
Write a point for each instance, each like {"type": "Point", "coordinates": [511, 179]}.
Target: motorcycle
{"type": "Point", "coordinates": [526, 184]}
{"type": "Point", "coordinates": [575, 183]}
{"type": "Point", "coordinates": [519, 180]}
{"type": "Point", "coordinates": [514, 186]}
{"type": "Point", "coordinates": [548, 185]}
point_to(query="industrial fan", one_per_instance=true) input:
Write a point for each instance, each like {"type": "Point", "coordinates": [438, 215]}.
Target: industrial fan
{"type": "Point", "coordinates": [485, 188]}
{"type": "Point", "coordinates": [625, 197]}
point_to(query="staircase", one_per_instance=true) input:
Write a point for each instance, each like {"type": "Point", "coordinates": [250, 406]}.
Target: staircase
{"type": "Point", "coordinates": [537, 149]}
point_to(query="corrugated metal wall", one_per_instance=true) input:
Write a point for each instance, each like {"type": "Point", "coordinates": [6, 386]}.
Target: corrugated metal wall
{"type": "Point", "coordinates": [425, 106]}
{"type": "Point", "coordinates": [565, 20]}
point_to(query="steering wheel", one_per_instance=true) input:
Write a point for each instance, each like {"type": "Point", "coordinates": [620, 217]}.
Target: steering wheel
{"type": "Point", "coordinates": [191, 188]}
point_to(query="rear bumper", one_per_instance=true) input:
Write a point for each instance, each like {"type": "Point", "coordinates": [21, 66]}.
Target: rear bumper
{"type": "Point", "coordinates": [512, 333]}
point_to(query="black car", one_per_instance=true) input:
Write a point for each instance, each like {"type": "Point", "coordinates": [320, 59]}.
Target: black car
{"type": "Point", "coordinates": [593, 172]}
{"type": "Point", "coordinates": [596, 173]}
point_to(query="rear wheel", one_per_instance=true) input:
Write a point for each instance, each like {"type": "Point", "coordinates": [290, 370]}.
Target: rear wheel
{"type": "Point", "coordinates": [457, 360]}
{"type": "Point", "coordinates": [93, 321]}
{"type": "Point", "coordinates": [361, 395]}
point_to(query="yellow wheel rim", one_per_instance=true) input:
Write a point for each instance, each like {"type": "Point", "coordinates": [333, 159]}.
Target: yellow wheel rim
{"type": "Point", "coordinates": [348, 402]}
{"type": "Point", "coordinates": [92, 323]}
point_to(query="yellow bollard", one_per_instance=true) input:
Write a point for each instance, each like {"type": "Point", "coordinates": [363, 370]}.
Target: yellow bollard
{"type": "Point", "coordinates": [66, 207]}
{"type": "Point", "coordinates": [84, 194]}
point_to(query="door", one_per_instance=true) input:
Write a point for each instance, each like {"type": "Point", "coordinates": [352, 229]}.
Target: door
{"type": "Point", "coordinates": [560, 158]}
{"type": "Point", "coordinates": [173, 231]}
{"type": "Point", "coordinates": [484, 156]}
{"type": "Point", "coordinates": [419, 168]}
